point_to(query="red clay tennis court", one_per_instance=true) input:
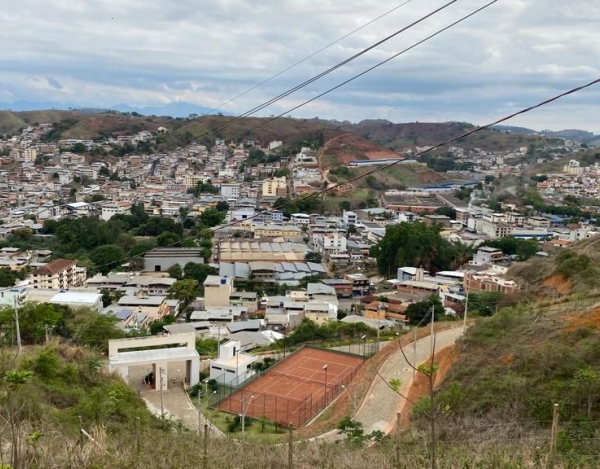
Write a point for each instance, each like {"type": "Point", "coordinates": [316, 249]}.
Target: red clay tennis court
{"type": "Point", "coordinates": [297, 388]}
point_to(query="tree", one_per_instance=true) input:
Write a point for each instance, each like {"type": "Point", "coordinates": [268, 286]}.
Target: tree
{"type": "Point", "coordinates": [589, 379]}
{"type": "Point", "coordinates": [22, 234]}
{"type": "Point", "coordinates": [413, 245]}
{"type": "Point", "coordinates": [184, 291]}
{"type": "Point", "coordinates": [210, 218]}
{"type": "Point", "coordinates": [33, 320]}
{"type": "Point", "coordinates": [167, 239]}
{"type": "Point", "coordinates": [107, 257]}
{"type": "Point", "coordinates": [222, 206]}
{"type": "Point", "coordinates": [420, 313]}
{"type": "Point", "coordinates": [79, 148]}
{"type": "Point", "coordinates": [447, 211]}
{"type": "Point", "coordinates": [198, 272]}
{"type": "Point", "coordinates": [315, 257]}
{"type": "Point", "coordinates": [175, 271]}
{"type": "Point", "coordinates": [345, 205]}
{"type": "Point", "coordinates": [156, 327]}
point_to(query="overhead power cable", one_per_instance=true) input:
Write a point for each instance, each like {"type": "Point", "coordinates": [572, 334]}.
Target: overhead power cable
{"type": "Point", "coordinates": [370, 69]}
{"type": "Point", "coordinates": [326, 72]}
{"type": "Point", "coordinates": [308, 57]}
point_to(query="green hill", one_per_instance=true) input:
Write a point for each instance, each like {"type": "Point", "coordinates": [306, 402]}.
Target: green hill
{"type": "Point", "coordinates": [10, 123]}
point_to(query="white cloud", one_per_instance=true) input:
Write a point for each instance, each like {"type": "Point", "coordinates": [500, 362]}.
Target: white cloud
{"type": "Point", "coordinates": [146, 52]}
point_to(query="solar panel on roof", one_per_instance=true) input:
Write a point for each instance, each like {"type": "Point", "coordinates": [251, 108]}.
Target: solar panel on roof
{"type": "Point", "coordinates": [123, 314]}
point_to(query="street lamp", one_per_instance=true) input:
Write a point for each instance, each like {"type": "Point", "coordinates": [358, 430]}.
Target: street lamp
{"type": "Point", "coordinates": [351, 399]}
{"type": "Point", "coordinates": [244, 416]}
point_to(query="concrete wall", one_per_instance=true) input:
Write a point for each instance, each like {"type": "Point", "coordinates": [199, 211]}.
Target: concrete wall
{"type": "Point", "coordinates": [151, 264]}
{"type": "Point", "coordinates": [188, 338]}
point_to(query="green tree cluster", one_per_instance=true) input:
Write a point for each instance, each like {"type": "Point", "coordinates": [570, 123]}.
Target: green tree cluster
{"type": "Point", "coordinates": [415, 245]}
{"type": "Point", "coordinates": [301, 205]}
{"type": "Point", "coordinates": [82, 326]}
{"type": "Point", "coordinates": [420, 312]}
{"type": "Point", "coordinates": [511, 246]}
{"type": "Point", "coordinates": [9, 277]}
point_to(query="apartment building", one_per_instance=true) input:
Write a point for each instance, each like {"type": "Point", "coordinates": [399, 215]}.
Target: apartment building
{"type": "Point", "coordinates": [230, 190]}
{"type": "Point", "coordinates": [60, 274]}
{"type": "Point", "coordinates": [276, 187]}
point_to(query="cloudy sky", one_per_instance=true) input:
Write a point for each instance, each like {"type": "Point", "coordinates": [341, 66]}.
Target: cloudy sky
{"type": "Point", "coordinates": [151, 52]}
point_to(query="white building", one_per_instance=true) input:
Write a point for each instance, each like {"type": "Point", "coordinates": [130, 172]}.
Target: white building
{"type": "Point", "coordinates": [230, 190]}
{"type": "Point", "coordinates": [300, 219]}
{"type": "Point", "coordinates": [78, 299]}
{"type": "Point", "coordinates": [233, 366]}
{"type": "Point", "coordinates": [112, 209]}
{"type": "Point", "coordinates": [332, 243]}
{"type": "Point", "coordinates": [350, 218]}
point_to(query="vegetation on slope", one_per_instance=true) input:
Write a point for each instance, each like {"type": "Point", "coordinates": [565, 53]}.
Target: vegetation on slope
{"type": "Point", "coordinates": [511, 370]}
{"type": "Point", "coordinates": [10, 123]}
{"type": "Point", "coordinates": [573, 269]}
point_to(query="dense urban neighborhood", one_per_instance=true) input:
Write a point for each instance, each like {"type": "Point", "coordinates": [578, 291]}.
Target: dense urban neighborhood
{"type": "Point", "coordinates": [261, 278]}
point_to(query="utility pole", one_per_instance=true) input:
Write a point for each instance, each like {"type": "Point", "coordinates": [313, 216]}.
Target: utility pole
{"type": "Point", "coordinates": [19, 346]}
{"type": "Point", "coordinates": [200, 411]}
{"type": "Point", "coordinates": [414, 363]}
{"type": "Point", "coordinates": [466, 303]}
{"type": "Point", "coordinates": [398, 436]}
{"type": "Point", "coordinates": [432, 329]}
{"type": "Point", "coordinates": [553, 435]}
{"type": "Point", "coordinates": [291, 447]}
{"type": "Point", "coordinates": [47, 334]}
{"type": "Point", "coordinates": [162, 405]}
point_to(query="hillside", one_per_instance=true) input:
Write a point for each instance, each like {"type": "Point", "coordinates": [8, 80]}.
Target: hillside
{"type": "Point", "coordinates": [510, 371]}
{"type": "Point", "coordinates": [81, 124]}
{"type": "Point", "coordinates": [565, 271]}
{"type": "Point", "coordinates": [10, 123]}
{"type": "Point", "coordinates": [94, 123]}
{"type": "Point", "coordinates": [399, 136]}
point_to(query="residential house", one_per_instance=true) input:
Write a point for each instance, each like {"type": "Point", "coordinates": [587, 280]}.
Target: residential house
{"type": "Point", "coordinates": [154, 306]}
{"type": "Point", "coordinates": [233, 366]}
{"type": "Point", "coordinates": [217, 291]}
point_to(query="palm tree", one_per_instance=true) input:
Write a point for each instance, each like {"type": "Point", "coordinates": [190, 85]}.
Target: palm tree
{"type": "Point", "coordinates": [263, 422]}
{"type": "Point", "coordinates": [183, 213]}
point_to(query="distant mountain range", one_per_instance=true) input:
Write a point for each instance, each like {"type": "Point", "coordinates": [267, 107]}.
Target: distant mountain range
{"type": "Point", "coordinates": [177, 109]}
{"type": "Point", "coordinates": [576, 135]}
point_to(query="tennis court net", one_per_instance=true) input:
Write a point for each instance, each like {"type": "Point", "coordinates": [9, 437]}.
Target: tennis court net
{"type": "Point", "coordinates": [300, 378]}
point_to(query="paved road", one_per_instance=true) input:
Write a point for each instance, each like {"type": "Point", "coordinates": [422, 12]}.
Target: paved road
{"type": "Point", "coordinates": [177, 406]}
{"type": "Point", "coordinates": [379, 409]}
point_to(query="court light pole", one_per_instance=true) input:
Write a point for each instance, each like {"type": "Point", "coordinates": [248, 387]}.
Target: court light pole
{"type": "Point", "coordinates": [352, 400]}
{"type": "Point", "coordinates": [325, 399]}
{"type": "Point", "coordinates": [244, 416]}
{"type": "Point", "coordinates": [363, 339]}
